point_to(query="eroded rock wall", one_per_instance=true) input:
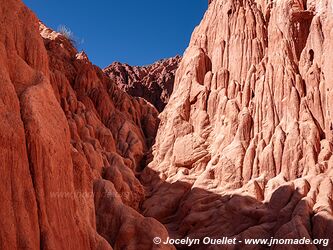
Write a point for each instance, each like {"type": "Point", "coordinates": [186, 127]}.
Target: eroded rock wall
{"type": "Point", "coordinates": [71, 145]}
{"type": "Point", "coordinates": [154, 82]}
{"type": "Point", "coordinates": [244, 146]}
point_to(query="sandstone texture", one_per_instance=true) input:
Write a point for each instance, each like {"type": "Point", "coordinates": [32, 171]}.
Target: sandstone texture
{"type": "Point", "coordinates": [154, 82]}
{"type": "Point", "coordinates": [242, 149]}
{"type": "Point", "coordinates": [244, 146]}
{"type": "Point", "coordinates": [71, 145]}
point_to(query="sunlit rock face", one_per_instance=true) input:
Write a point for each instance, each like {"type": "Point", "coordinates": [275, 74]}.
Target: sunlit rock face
{"type": "Point", "coordinates": [242, 149]}
{"type": "Point", "coordinates": [71, 144]}
{"type": "Point", "coordinates": [244, 146]}
{"type": "Point", "coordinates": [154, 82]}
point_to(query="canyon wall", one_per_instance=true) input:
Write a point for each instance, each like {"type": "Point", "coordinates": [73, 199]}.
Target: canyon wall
{"type": "Point", "coordinates": [71, 145]}
{"type": "Point", "coordinates": [153, 82]}
{"type": "Point", "coordinates": [244, 146]}
{"type": "Point", "coordinates": [242, 149]}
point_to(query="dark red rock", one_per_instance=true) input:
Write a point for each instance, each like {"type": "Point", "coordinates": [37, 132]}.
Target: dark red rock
{"type": "Point", "coordinates": [154, 82]}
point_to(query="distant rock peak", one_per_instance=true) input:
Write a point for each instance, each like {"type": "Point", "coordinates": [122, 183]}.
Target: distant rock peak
{"type": "Point", "coordinates": [152, 82]}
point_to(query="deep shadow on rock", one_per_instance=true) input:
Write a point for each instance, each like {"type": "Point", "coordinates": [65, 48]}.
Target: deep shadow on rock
{"type": "Point", "coordinates": [189, 211]}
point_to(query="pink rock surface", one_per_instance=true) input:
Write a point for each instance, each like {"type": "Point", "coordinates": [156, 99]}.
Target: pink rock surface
{"type": "Point", "coordinates": [244, 146]}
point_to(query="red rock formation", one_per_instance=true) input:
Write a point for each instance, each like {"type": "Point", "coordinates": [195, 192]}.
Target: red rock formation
{"type": "Point", "coordinates": [110, 133]}
{"type": "Point", "coordinates": [244, 146]}
{"type": "Point", "coordinates": [153, 82]}
{"type": "Point", "coordinates": [66, 128]}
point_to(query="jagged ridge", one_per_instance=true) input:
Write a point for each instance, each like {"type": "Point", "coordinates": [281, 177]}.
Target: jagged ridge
{"type": "Point", "coordinates": [153, 82]}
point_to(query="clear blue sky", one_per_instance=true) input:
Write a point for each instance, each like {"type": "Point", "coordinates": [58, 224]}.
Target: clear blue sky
{"type": "Point", "coordinates": [134, 32]}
